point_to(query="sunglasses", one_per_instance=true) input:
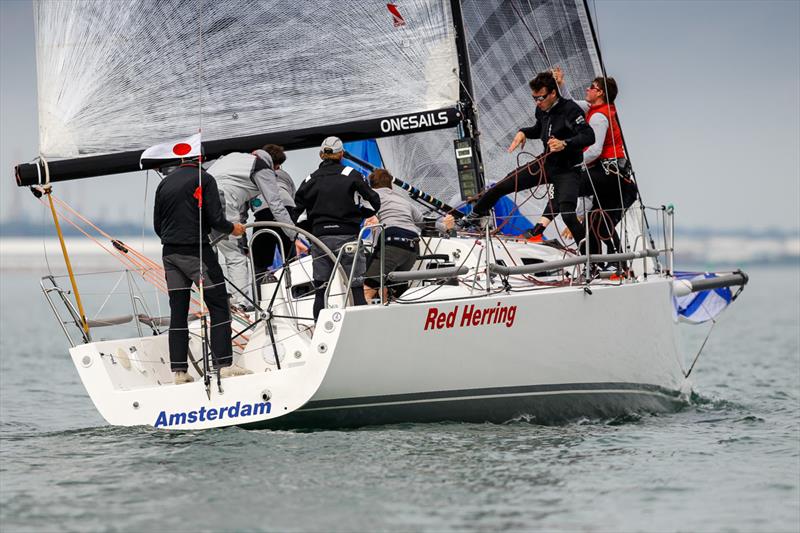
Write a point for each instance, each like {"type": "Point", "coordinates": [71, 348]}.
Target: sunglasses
{"type": "Point", "coordinates": [595, 88]}
{"type": "Point", "coordinates": [540, 98]}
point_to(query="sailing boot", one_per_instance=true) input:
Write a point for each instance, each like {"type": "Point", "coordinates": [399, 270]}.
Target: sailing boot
{"type": "Point", "coordinates": [183, 377]}
{"type": "Point", "coordinates": [233, 370]}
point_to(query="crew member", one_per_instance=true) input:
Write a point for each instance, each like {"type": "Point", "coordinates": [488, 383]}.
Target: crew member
{"type": "Point", "coordinates": [249, 180]}
{"type": "Point", "coordinates": [402, 221]}
{"type": "Point", "coordinates": [607, 175]}
{"type": "Point", "coordinates": [264, 246]}
{"type": "Point", "coordinates": [188, 257]}
{"type": "Point", "coordinates": [333, 198]}
{"type": "Point", "coordinates": [561, 127]}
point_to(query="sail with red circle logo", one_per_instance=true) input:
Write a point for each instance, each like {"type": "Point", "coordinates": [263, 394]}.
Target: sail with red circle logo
{"type": "Point", "coordinates": [176, 149]}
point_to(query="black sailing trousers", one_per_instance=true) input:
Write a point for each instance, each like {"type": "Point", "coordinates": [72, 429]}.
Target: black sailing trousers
{"type": "Point", "coordinates": [564, 200]}
{"type": "Point", "coordinates": [181, 271]}
{"type": "Point", "coordinates": [263, 247]}
{"type": "Point", "coordinates": [612, 195]}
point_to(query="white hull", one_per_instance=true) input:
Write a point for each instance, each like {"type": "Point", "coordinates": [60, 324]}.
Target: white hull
{"type": "Point", "coordinates": [548, 353]}
{"type": "Point", "coordinates": [566, 354]}
{"type": "Point", "coordinates": [130, 383]}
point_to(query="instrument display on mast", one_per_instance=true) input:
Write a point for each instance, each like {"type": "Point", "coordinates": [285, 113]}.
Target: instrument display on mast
{"type": "Point", "coordinates": [468, 166]}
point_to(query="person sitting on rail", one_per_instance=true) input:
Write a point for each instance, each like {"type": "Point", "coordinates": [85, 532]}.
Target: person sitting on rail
{"type": "Point", "coordinates": [242, 177]}
{"type": "Point", "coordinates": [562, 128]}
{"type": "Point", "coordinates": [402, 221]}
{"type": "Point", "coordinates": [332, 197]}
{"type": "Point", "coordinates": [188, 258]}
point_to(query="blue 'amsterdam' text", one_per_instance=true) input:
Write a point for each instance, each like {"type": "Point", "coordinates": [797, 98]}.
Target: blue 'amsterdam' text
{"type": "Point", "coordinates": [202, 415]}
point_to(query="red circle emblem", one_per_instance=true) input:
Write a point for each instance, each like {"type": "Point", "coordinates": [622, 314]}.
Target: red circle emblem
{"type": "Point", "coordinates": [181, 149]}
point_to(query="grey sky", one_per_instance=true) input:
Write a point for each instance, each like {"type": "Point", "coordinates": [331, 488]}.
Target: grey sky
{"type": "Point", "coordinates": [709, 101]}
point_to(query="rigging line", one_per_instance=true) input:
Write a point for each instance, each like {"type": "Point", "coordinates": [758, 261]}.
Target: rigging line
{"type": "Point", "coordinates": [143, 259]}
{"type": "Point", "coordinates": [539, 31]}
{"type": "Point", "coordinates": [696, 357]}
{"type": "Point", "coordinates": [596, 36]}
{"type": "Point", "coordinates": [513, 174]}
{"type": "Point", "coordinates": [542, 180]}
{"type": "Point", "coordinates": [469, 95]}
{"type": "Point", "coordinates": [595, 231]}
{"type": "Point", "coordinates": [108, 297]}
{"type": "Point", "coordinates": [539, 45]}
{"type": "Point", "coordinates": [124, 258]}
{"type": "Point", "coordinates": [47, 190]}
{"type": "Point", "coordinates": [201, 276]}
{"type": "Point", "coordinates": [610, 117]}
{"type": "Point", "coordinates": [148, 274]}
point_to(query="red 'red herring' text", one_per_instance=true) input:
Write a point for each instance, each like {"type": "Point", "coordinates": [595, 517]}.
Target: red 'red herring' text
{"type": "Point", "coordinates": [470, 316]}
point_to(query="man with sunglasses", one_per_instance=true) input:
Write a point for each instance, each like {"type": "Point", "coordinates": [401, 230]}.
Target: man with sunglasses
{"type": "Point", "coordinates": [562, 128]}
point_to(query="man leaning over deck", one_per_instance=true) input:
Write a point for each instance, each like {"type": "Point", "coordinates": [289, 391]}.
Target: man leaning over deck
{"type": "Point", "coordinates": [187, 257]}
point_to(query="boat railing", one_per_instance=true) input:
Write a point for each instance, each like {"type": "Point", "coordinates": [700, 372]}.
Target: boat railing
{"type": "Point", "coordinates": [271, 227]}
{"type": "Point", "coordinates": [571, 261]}
{"type": "Point", "coordinates": [62, 294]}
{"type": "Point", "coordinates": [417, 275]}
{"type": "Point", "coordinates": [139, 311]}
{"type": "Point", "coordinates": [254, 281]}
{"type": "Point", "coordinates": [640, 246]}
{"type": "Point", "coordinates": [354, 247]}
{"type": "Point", "coordinates": [661, 237]}
{"type": "Point", "coordinates": [646, 234]}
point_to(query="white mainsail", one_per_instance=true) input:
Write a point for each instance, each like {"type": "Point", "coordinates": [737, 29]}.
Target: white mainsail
{"type": "Point", "coordinates": [124, 75]}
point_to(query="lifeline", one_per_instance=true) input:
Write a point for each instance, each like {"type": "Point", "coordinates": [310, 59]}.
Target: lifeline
{"type": "Point", "coordinates": [233, 411]}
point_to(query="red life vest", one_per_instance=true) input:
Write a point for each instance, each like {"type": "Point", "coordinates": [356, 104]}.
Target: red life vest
{"type": "Point", "coordinates": [612, 144]}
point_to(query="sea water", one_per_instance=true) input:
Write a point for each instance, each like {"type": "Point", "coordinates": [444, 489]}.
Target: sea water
{"type": "Point", "coordinates": [730, 461]}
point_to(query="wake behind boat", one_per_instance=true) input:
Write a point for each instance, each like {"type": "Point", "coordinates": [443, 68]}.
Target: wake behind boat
{"type": "Point", "coordinates": [491, 327]}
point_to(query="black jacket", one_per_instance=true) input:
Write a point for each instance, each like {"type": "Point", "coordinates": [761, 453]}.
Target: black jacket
{"type": "Point", "coordinates": [175, 214]}
{"type": "Point", "coordinates": [564, 121]}
{"type": "Point", "coordinates": [332, 197]}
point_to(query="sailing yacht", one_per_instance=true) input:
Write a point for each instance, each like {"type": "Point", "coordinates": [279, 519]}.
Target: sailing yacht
{"type": "Point", "coordinates": [491, 327]}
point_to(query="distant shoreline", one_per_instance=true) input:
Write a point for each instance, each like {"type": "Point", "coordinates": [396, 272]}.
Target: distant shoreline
{"type": "Point", "coordinates": [721, 253]}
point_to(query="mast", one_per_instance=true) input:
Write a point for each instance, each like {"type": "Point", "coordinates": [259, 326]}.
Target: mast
{"type": "Point", "coordinates": [469, 168]}
{"type": "Point", "coordinates": [28, 174]}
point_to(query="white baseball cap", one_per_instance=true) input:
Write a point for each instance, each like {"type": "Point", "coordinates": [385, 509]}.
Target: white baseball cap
{"type": "Point", "coordinates": [331, 145]}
